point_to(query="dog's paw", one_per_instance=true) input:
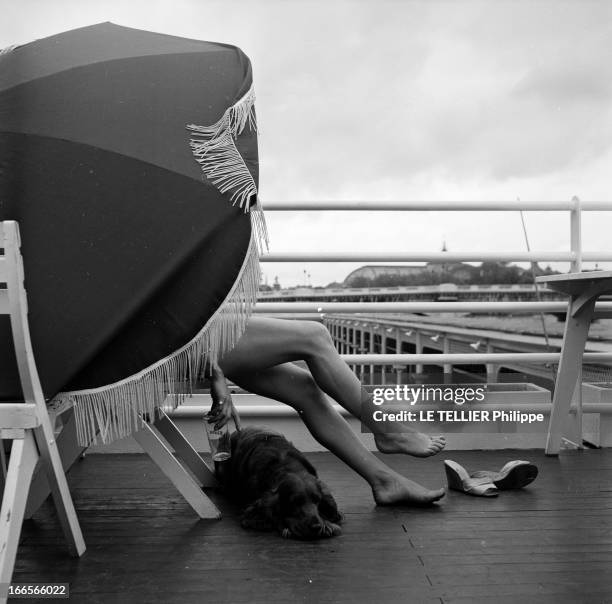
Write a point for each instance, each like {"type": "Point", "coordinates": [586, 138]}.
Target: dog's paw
{"type": "Point", "coordinates": [331, 529]}
{"type": "Point", "coordinates": [337, 518]}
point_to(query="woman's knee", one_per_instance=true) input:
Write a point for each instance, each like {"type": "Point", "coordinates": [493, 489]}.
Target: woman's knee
{"type": "Point", "coordinates": [316, 337]}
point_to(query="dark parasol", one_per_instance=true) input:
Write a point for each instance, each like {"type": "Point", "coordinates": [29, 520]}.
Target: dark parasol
{"type": "Point", "coordinates": [129, 159]}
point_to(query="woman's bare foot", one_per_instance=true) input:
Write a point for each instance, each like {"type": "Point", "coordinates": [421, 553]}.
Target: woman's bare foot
{"type": "Point", "coordinates": [399, 490]}
{"type": "Point", "coordinates": [410, 442]}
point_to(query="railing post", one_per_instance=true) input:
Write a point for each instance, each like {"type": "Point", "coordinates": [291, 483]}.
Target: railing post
{"type": "Point", "coordinates": [383, 350]}
{"type": "Point", "coordinates": [399, 374]}
{"type": "Point", "coordinates": [491, 368]}
{"type": "Point", "coordinates": [418, 348]}
{"type": "Point", "coordinates": [576, 236]}
{"type": "Point", "coordinates": [576, 267]}
{"type": "Point", "coordinates": [447, 368]}
{"type": "Point", "coordinates": [372, 352]}
{"type": "Point", "coordinates": [361, 350]}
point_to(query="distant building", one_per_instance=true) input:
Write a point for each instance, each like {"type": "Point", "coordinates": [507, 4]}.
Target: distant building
{"type": "Point", "coordinates": [457, 272]}
{"type": "Point", "coordinates": [370, 272]}
{"type": "Point", "coordinates": [434, 273]}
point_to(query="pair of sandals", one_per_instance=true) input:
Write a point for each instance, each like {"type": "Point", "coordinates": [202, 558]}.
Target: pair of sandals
{"type": "Point", "coordinates": [514, 475]}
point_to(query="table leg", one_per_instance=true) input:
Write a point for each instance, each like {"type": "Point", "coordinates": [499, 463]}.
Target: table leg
{"type": "Point", "coordinates": [574, 340]}
{"type": "Point", "coordinates": [161, 455]}
{"type": "Point", "coordinates": [182, 447]}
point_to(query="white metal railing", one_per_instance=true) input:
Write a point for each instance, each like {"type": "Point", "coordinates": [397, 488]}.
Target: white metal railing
{"type": "Point", "coordinates": [468, 358]}
{"type": "Point", "coordinates": [310, 292]}
{"type": "Point", "coordinates": [575, 256]}
{"type": "Point", "coordinates": [572, 257]}
{"type": "Point", "coordinates": [416, 307]}
{"type": "Point", "coordinates": [201, 404]}
{"type": "Point", "coordinates": [574, 204]}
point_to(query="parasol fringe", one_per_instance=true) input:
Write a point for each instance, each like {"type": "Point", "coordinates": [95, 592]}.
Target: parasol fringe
{"type": "Point", "coordinates": [215, 150]}
{"type": "Point", "coordinates": [117, 410]}
{"type": "Point", "coordinates": [7, 49]}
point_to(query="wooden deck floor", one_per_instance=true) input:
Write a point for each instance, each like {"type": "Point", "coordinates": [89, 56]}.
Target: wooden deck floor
{"type": "Point", "coordinates": [551, 542]}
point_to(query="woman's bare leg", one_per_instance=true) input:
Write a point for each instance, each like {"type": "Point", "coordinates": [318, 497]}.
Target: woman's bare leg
{"type": "Point", "coordinates": [268, 342]}
{"type": "Point", "coordinates": [294, 386]}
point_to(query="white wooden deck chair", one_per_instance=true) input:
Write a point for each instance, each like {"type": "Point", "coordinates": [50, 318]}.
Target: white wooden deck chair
{"type": "Point", "coordinates": [27, 422]}
{"type": "Point", "coordinates": [162, 441]}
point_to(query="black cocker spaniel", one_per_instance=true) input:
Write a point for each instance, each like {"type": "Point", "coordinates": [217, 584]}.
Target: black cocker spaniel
{"type": "Point", "coordinates": [279, 487]}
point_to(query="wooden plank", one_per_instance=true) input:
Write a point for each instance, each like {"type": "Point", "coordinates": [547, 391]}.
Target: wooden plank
{"type": "Point", "coordinates": [18, 415]}
{"type": "Point", "coordinates": [535, 545]}
{"type": "Point", "coordinates": [573, 283]}
{"type": "Point", "coordinates": [12, 433]}
{"type": "Point", "coordinates": [582, 276]}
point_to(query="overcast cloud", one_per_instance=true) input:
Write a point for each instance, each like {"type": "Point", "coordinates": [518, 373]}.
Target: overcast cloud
{"type": "Point", "coordinates": [381, 99]}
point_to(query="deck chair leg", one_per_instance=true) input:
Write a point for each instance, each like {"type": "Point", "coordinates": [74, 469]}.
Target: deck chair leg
{"type": "Point", "coordinates": [69, 450]}
{"type": "Point", "coordinates": [157, 450]}
{"type": "Point", "coordinates": [22, 461]}
{"type": "Point", "coordinates": [3, 465]}
{"type": "Point", "coordinates": [574, 340]}
{"type": "Point", "coordinates": [183, 448]}
{"type": "Point", "coordinates": [45, 439]}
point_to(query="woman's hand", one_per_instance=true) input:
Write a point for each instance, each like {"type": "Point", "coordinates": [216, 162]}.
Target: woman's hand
{"type": "Point", "coordinates": [222, 409]}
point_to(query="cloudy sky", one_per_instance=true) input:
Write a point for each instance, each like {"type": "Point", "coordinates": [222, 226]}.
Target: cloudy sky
{"type": "Point", "coordinates": [413, 100]}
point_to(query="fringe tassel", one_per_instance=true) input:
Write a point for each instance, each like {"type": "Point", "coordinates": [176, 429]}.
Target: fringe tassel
{"type": "Point", "coordinates": [117, 410]}
{"type": "Point", "coordinates": [215, 150]}
{"type": "Point", "coordinates": [7, 49]}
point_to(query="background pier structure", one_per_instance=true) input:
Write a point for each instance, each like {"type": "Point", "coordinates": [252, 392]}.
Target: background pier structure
{"type": "Point", "coordinates": [418, 335]}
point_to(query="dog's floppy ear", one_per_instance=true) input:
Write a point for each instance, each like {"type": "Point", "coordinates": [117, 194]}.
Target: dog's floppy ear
{"type": "Point", "coordinates": [261, 514]}
{"type": "Point", "coordinates": [309, 467]}
{"type": "Point", "coordinates": [327, 506]}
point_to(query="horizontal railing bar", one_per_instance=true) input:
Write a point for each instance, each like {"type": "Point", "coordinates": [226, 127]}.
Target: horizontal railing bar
{"type": "Point", "coordinates": [596, 256]}
{"type": "Point", "coordinates": [193, 411]}
{"type": "Point", "coordinates": [492, 206]}
{"type": "Point", "coordinates": [416, 307]}
{"type": "Point", "coordinates": [468, 358]}
{"type": "Point", "coordinates": [253, 405]}
{"type": "Point", "coordinates": [272, 410]}
{"type": "Point", "coordinates": [370, 256]}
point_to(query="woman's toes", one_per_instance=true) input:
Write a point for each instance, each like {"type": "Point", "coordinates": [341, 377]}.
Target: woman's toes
{"type": "Point", "coordinates": [439, 494]}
